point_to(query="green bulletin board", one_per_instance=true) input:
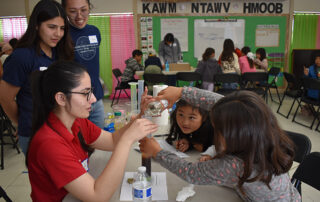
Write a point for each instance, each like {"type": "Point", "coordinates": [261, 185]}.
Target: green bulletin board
{"type": "Point", "coordinates": [276, 55]}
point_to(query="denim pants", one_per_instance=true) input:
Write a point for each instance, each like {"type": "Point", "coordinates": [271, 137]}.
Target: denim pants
{"type": "Point", "coordinates": [97, 113]}
{"type": "Point", "coordinates": [24, 144]}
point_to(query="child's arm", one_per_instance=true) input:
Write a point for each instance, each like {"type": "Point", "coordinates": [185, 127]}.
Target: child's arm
{"type": "Point", "coordinates": [196, 97]}
{"type": "Point", "coordinates": [222, 171]}
{"type": "Point", "coordinates": [217, 171]}
{"type": "Point", "coordinates": [200, 98]}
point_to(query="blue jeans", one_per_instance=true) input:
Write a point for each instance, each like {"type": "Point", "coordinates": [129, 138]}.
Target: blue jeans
{"type": "Point", "coordinates": [24, 144]}
{"type": "Point", "coordinates": [97, 113]}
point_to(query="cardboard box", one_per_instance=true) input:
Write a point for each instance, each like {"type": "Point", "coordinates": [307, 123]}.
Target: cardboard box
{"type": "Point", "coordinates": [179, 67]}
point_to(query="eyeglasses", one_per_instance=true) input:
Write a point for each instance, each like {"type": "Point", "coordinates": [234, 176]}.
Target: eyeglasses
{"type": "Point", "coordinates": [88, 94]}
{"type": "Point", "coordinates": [83, 12]}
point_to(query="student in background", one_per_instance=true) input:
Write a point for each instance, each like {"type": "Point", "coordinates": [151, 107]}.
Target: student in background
{"type": "Point", "coordinates": [5, 50]}
{"type": "Point", "coordinates": [246, 61]}
{"type": "Point", "coordinates": [229, 62]}
{"type": "Point", "coordinates": [238, 52]}
{"type": "Point", "coordinates": [152, 59]}
{"type": "Point", "coordinates": [228, 58]}
{"type": "Point", "coordinates": [190, 128]}
{"type": "Point", "coordinates": [314, 72]}
{"type": "Point", "coordinates": [245, 128]}
{"type": "Point", "coordinates": [169, 49]}
{"type": "Point", "coordinates": [87, 39]}
{"type": "Point", "coordinates": [62, 137]}
{"type": "Point", "coordinates": [208, 67]}
{"type": "Point", "coordinates": [132, 65]}
{"type": "Point", "coordinates": [45, 40]}
{"type": "Point", "coordinates": [261, 61]}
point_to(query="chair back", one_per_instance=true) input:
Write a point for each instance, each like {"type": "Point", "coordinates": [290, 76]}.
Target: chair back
{"type": "Point", "coordinates": [308, 171]}
{"type": "Point", "coordinates": [154, 78]}
{"type": "Point", "coordinates": [274, 71]}
{"type": "Point", "coordinates": [310, 83]}
{"type": "Point", "coordinates": [254, 76]}
{"type": "Point", "coordinates": [227, 78]}
{"type": "Point", "coordinates": [292, 81]}
{"type": "Point", "coordinates": [189, 77]}
{"type": "Point", "coordinates": [302, 145]}
{"type": "Point", "coordinates": [117, 73]}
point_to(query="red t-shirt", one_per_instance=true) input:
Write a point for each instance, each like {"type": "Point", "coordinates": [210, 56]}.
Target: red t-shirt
{"type": "Point", "coordinates": [56, 156]}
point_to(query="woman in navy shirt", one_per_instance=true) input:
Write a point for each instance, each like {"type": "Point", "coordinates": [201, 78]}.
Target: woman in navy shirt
{"type": "Point", "coordinates": [45, 41]}
{"type": "Point", "coordinates": [86, 39]}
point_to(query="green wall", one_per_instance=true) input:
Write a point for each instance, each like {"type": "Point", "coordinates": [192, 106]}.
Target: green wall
{"type": "Point", "coordinates": [250, 22]}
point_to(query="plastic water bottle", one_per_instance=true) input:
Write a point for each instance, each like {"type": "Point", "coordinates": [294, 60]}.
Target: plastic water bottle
{"type": "Point", "coordinates": [109, 123]}
{"type": "Point", "coordinates": [167, 66]}
{"type": "Point", "coordinates": [142, 187]}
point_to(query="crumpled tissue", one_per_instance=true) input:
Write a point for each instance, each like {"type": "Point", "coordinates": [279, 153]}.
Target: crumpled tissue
{"type": "Point", "coordinates": [185, 193]}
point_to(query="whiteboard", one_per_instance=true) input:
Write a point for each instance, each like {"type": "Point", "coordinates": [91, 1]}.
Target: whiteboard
{"type": "Point", "coordinates": [213, 32]}
{"type": "Point", "coordinates": [179, 28]}
{"type": "Point", "coordinates": [267, 36]}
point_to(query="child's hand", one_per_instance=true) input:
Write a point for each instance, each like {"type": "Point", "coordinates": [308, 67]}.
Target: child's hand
{"type": "Point", "coordinates": [182, 145]}
{"type": "Point", "coordinates": [205, 158]}
{"type": "Point", "coordinates": [172, 94]}
{"type": "Point", "coordinates": [198, 147]}
{"type": "Point", "coordinates": [149, 147]}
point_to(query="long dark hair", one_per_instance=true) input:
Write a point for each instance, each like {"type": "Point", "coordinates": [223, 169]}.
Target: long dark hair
{"type": "Point", "coordinates": [262, 53]}
{"type": "Point", "coordinates": [245, 127]}
{"type": "Point", "coordinates": [207, 53]}
{"type": "Point", "coordinates": [46, 10]}
{"type": "Point", "coordinates": [228, 50]}
{"type": "Point", "coordinates": [61, 76]}
{"type": "Point", "coordinates": [245, 50]}
{"type": "Point", "coordinates": [175, 129]}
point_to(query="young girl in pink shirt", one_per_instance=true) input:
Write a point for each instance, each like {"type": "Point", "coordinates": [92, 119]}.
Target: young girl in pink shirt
{"type": "Point", "coordinates": [246, 61]}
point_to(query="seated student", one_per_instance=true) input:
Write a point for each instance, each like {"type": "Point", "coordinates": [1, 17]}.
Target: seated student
{"type": "Point", "coordinates": [246, 61]}
{"type": "Point", "coordinates": [132, 65]}
{"type": "Point", "coordinates": [208, 67]}
{"type": "Point", "coordinates": [190, 128]}
{"type": "Point", "coordinates": [238, 52]}
{"type": "Point", "coordinates": [229, 62]}
{"type": "Point", "coordinates": [261, 61]}
{"type": "Point", "coordinates": [245, 128]}
{"type": "Point", "coordinates": [313, 72]}
{"type": "Point", "coordinates": [62, 137]}
{"type": "Point", "coordinates": [228, 58]}
{"type": "Point", "coordinates": [152, 60]}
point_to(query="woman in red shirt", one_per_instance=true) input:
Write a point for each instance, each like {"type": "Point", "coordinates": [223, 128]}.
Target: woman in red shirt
{"type": "Point", "coordinates": [62, 137]}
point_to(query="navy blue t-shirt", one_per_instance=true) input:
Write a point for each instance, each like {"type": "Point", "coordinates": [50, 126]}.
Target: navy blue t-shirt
{"type": "Point", "coordinates": [87, 41]}
{"type": "Point", "coordinates": [17, 70]}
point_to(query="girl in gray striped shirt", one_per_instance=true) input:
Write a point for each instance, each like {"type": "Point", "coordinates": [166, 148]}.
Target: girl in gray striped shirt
{"type": "Point", "coordinates": [253, 154]}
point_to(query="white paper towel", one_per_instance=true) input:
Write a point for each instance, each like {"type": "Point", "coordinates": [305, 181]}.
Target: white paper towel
{"type": "Point", "coordinates": [164, 118]}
